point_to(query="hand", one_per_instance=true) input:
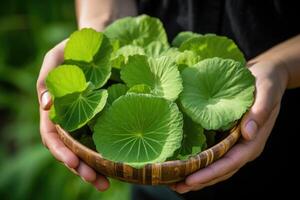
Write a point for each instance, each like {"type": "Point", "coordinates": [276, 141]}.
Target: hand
{"type": "Point", "coordinates": [47, 129]}
{"type": "Point", "coordinates": [256, 126]}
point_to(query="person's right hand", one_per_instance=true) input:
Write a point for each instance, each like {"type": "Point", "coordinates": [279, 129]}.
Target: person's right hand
{"type": "Point", "coordinates": [48, 132]}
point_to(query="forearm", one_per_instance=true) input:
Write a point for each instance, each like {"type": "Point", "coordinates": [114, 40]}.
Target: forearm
{"type": "Point", "coordinates": [94, 13]}
{"type": "Point", "coordinates": [286, 55]}
{"type": "Point", "coordinates": [98, 14]}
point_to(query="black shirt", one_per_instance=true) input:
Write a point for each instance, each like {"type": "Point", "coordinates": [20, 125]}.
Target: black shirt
{"type": "Point", "coordinates": [255, 25]}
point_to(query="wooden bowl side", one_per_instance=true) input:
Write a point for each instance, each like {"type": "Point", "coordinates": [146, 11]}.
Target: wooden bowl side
{"type": "Point", "coordinates": [151, 174]}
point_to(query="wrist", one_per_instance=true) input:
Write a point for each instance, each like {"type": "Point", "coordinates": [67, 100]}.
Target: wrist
{"type": "Point", "coordinates": [97, 23]}
{"type": "Point", "coordinates": [281, 69]}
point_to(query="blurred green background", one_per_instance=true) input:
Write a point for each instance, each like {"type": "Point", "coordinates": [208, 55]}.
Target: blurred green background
{"type": "Point", "coordinates": [28, 29]}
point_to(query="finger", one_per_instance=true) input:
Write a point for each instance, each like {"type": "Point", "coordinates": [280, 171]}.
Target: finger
{"type": "Point", "coordinates": [55, 145]}
{"type": "Point", "coordinates": [52, 59]}
{"type": "Point", "coordinates": [182, 188]}
{"type": "Point", "coordinates": [60, 151]}
{"type": "Point", "coordinates": [233, 160]}
{"type": "Point", "coordinates": [86, 173]}
{"type": "Point", "coordinates": [259, 112]}
{"type": "Point", "coordinates": [239, 155]}
{"type": "Point", "coordinates": [46, 101]}
{"type": "Point", "coordinates": [173, 186]}
{"type": "Point", "coordinates": [71, 169]}
{"type": "Point", "coordinates": [101, 183]}
{"type": "Point", "coordinates": [213, 182]}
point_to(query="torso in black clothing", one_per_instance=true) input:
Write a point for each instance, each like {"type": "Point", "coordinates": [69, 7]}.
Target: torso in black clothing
{"type": "Point", "coordinates": [255, 26]}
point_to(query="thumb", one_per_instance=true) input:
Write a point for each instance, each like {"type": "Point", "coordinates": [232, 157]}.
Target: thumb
{"type": "Point", "coordinates": [46, 100]}
{"type": "Point", "coordinates": [52, 59]}
{"type": "Point", "coordinates": [44, 95]}
{"type": "Point", "coordinates": [258, 114]}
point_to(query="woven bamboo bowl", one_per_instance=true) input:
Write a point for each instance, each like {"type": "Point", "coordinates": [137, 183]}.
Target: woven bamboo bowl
{"type": "Point", "coordinates": [151, 174]}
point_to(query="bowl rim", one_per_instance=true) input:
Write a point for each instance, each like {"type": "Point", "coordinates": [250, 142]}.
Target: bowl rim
{"type": "Point", "coordinates": [225, 143]}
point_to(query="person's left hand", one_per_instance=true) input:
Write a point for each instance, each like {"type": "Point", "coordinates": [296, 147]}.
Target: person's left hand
{"type": "Point", "coordinates": [256, 126]}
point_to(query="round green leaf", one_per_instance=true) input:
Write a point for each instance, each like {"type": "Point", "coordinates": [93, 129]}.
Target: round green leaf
{"type": "Point", "coordinates": [74, 110]}
{"type": "Point", "coordinates": [141, 88]}
{"type": "Point", "coordinates": [139, 129]}
{"type": "Point", "coordinates": [183, 59]}
{"type": "Point", "coordinates": [121, 55]}
{"type": "Point", "coordinates": [161, 74]}
{"type": "Point", "coordinates": [141, 30]}
{"type": "Point", "coordinates": [217, 92]}
{"type": "Point", "coordinates": [91, 51]}
{"type": "Point", "coordinates": [115, 91]}
{"type": "Point", "coordinates": [210, 45]}
{"type": "Point", "coordinates": [194, 140]}
{"type": "Point", "coordinates": [83, 45]}
{"type": "Point", "coordinates": [65, 79]}
{"type": "Point", "coordinates": [183, 37]}
{"type": "Point", "coordinates": [187, 59]}
{"type": "Point", "coordinates": [156, 48]}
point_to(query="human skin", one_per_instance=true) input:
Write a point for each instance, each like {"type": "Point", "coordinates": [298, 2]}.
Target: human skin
{"type": "Point", "coordinates": [95, 14]}
{"type": "Point", "coordinates": [275, 70]}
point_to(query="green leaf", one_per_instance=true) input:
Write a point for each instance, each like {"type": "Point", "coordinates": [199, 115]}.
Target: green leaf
{"type": "Point", "coordinates": [91, 51]}
{"type": "Point", "coordinates": [217, 92]}
{"type": "Point", "coordinates": [194, 140]}
{"type": "Point", "coordinates": [65, 79]}
{"type": "Point", "coordinates": [141, 88]}
{"type": "Point", "coordinates": [183, 59]}
{"type": "Point", "coordinates": [141, 31]}
{"type": "Point", "coordinates": [156, 48]}
{"type": "Point", "coordinates": [139, 129]}
{"type": "Point", "coordinates": [115, 91]}
{"type": "Point", "coordinates": [75, 110]}
{"type": "Point", "coordinates": [161, 74]}
{"type": "Point", "coordinates": [187, 59]}
{"type": "Point", "coordinates": [210, 45]}
{"type": "Point", "coordinates": [183, 37]}
{"type": "Point", "coordinates": [120, 57]}
{"type": "Point", "coordinates": [83, 45]}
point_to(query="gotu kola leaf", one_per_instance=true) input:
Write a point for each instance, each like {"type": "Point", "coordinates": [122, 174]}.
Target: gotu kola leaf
{"type": "Point", "coordinates": [183, 37]}
{"type": "Point", "coordinates": [74, 110]}
{"type": "Point", "coordinates": [161, 74]}
{"type": "Point", "coordinates": [217, 92]}
{"type": "Point", "coordinates": [91, 51]}
{"type": "Point", "coordinates": [141, 31]}
{"type": "Point", "coordinates": [155, 48]}
{"type": "Point", "coordinates": [183, 59]}
{"type": "Point", "coordinates": [210, 45]}
{"type": "Point", "coordinates": [141, 88]}
{"type": "Point", "coordinates": [120, 56]}
{"type": "Point", "coordinates": [115, 91]}
{"type": "Point", "coordinates": [194, 140]}
{"type": "Point", "coordinates": [139, 129]}
{"type": "Point", "coordinates": [65, 79]}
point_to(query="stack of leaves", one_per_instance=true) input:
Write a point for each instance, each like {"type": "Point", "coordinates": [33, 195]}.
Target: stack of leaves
{"type": "Point", "coordinates": [143, 100]}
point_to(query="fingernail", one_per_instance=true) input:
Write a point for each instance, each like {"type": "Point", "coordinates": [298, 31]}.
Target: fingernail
{"type": "Point", "coordinates": [46, 100]}
{"type": "Point", "coordinates": [101, 185]}
{"type": "Point", "coordinates": [184, 190]}
{"type": "Point", "coordinates": [251, 129]}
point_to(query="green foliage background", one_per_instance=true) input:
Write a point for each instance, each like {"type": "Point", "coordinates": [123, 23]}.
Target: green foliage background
{"type": "Point", "coordinates": [28, 29]}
